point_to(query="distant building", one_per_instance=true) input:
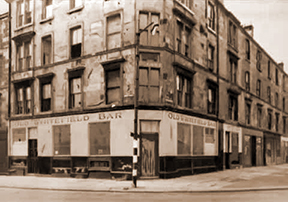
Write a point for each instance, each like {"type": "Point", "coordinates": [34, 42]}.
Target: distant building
{"type": "Point", "coordinates": [202, 89]}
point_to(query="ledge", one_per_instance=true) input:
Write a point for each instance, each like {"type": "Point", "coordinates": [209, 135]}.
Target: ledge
{"type": "Point", "coordinates": [46, 20]}
{"type": "Point", "coordinates": [73, 10]}
{"type": "Point", "coordinates": [23, 27]}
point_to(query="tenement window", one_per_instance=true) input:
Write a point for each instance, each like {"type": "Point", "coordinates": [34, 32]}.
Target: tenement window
{"type": "Point", "coordinates": [113, 84]}
{"type": "Point", "coordinates": [276, 99]}
{"type": "Point", "coordinates": [269, 69]}
{"type": "Point", "coordinates": [233, 107]}
{"type": "Point", "coordinates": [269, 119]}
{"type": "Point", "coordinates": [149, 84]}
{"type": "Point", "coordinates": [211, 16]}
{"type": "Point", "coordinates": [258, 60]}
{"type": "Point", "coordinates": [24, 12]}
{"type": "Point", "coordinates": [247, 49]}
{"type": "Point", "coordinates": [46, 50]}
{"type": "Point", "coordinates": [183, 38]}
{"type": "Point", "coordinates": [75, 89]}
{"type": "Point", "coordinates": [269, 94]}
{"type": "Point", "coordinates": [258, 88]}
{"type": "Point", "coordinates": [210, 57]}
{"type": "Point", "coordinates": [247, 81]}
{"type": "Point", "coordinates": [259, 116]}
{"type": "Point", "coordinates": [75, 3]}
{"type": "Point", "coordinates": [23, 97]}
{"type": "Point", "coordinates": [46, 93]}
{"type": "Point", "coordinates": [188, 3]}
{"type": "Point", "coordinates": [184, 96]}
{"type": "Point", "coordinates": [212, 97]}
{"type": "Point", "coordinates": [76, 42]}
{"type": "Point", "coordinates": [233, 70]}
{"type": "Point", "coordinates": [284, 104]}
{"type": "Point", "coordinates": [284, 124]}
{"type": "Point", "coordinates": [23, 55]}
{"type": "Point", "coordinates": [147, 37]}
{"type": "Point", "coordinates": [276, 76]}
{"type": "Point", "coordinates": [277, 122]}
{"type": "Point", "coordinates": [248, 113]}
{"type": "Point", "coordinates": [232, 35]}
{"type": "Point", "coordinates": [113, 30]}
{"type": "Point", "coordinates": [47, 9]}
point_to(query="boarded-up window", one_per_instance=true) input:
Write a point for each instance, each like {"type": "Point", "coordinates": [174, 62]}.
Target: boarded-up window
{"type": "Point", "coordinates": [149, 84]}
{"type": "Point", "coordinates": [113, 84]}
{"type": "Point", "coordinates": [148, 37]}
{"type": "Point", "coordinates": [184, 138]}
{"type": "Point", "coordinates": [61, 136]}
{"type": "Point", "coordinates": [149, 126]}
{"type": "Point", "coordinates": [99, 138]}
{"type": "Point", "coordinates": [198, 140]}
{"type": "Point", "coordinates": [47, 50]}
{"type": "Point", "coordinates": [47, 9]}
{"type": "Point", "coordinates": [113, 31]}
{"type": "Point", "coordinates": [19, 135]}
{"type": "Point", "coordinates": [209, 135]}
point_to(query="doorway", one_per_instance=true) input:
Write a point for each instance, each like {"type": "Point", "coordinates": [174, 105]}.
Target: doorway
{"type": "Point", "coordinates": [149, 155]}
{"type": "Point", "coordinates": [253, 150]}
{"type": "Point", "coordinates": [32, 156]}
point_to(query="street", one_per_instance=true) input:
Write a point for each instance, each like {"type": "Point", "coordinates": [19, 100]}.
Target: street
{"type": "Point", "coordinates": [24, 195]}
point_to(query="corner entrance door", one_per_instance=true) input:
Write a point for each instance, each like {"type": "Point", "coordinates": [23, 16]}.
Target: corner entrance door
{"type": "Point", "coordinates": [149, 155]}
{"type": "Point", "coordinates": [32, 156]}
{"type": "Point", "coordinates": [254, 150]}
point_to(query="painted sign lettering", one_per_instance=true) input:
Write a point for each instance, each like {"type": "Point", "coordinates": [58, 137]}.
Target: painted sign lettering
{"type": "Point", "coordinates": [193, 120]}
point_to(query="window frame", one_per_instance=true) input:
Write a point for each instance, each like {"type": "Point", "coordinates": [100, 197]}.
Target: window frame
{"type": "Point", "coordinates": [258, 88]}
{"type": "Point", "coordinates": [149, 36]}
{"type": "Point", "coordinates": [90, 125]}
{"type": "Point", "coordinates": [284, 124]}
{"type": "Point", "coordinates": [26, 17]}
{"type": "Point", "coordinates": [23, 86]}
{"type": "Point", "coordinates": [269, 119]}
{"type": "Point", "coordinates": [247, 49]}
{"type": "Point", "coordinates": [54, 139]}
{"type": "Point", "coordinates": [276, 99]}
{"type": "Point", "coordinates": [44, 9]}
{"type": "Point", "coordinates": [247, 81]}
{"type": "Point", "coordinates": [248, 113]}
{"type": "Point", "coordinates": [284, 104]}
{"type": "Point", "coordinates": [110, 68]}
{"type": "Point", "coordinates": [211, 104]}
{"type": "Point", "coordinates": [184, 94]}
{"type": "Point", "coordinates": [232, 35]}
{"type": "Point", "coordinates": [233, 107]}
{"type": "Point", "coordinates": [258, 60]}
{"type": "Point", "coordinates": [269, 94]}
{"type": "Point", "coordinates": [77, 27]}
{"type": "Point", "coordinates": [72, 4]}
{"type": "Point", "coordinates": [276, 76]}
{"type": "Point", "coordinates": [269, 69]}
{"type": "Point", "coordinates": [182, 39]}
{"type": "Point", "coordinates": [277, 116]}
{"type": "Point", "coordinates": [211, 15]}
{"type": "Point", "coordinates": [24, 55]}
{"type": "Point", "coordinates": [233, 68]}
{"type": "Point", "coordinates": [75, 74]}
{"type": "Point", "coordinates": [211, 50]}
{"type": "Point", "coordinates": [43, 50]}
{"type": "Point", "coordinates": [107, 35]}
{"type": "Point", "coordinates": [259, 116]}
{"type": "Point", "coordinates": [45, 80]}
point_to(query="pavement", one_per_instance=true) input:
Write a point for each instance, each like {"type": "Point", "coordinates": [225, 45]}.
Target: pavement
{"type": "Point", "coordinates": [245, 179]}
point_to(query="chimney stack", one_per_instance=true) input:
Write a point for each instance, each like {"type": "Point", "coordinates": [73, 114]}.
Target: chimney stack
{"type": "Point", "coordinates": [281, 65]}
{"type": "Point", "coordinates": [249, 29]}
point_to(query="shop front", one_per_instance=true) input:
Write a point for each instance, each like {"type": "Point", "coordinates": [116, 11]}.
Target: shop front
{"type": "Point", "coordinates": [232, 139]}
{"type": "Point", "coordinates": [252, 147]}
{"type": "Point", "coordinates": [272, 148]}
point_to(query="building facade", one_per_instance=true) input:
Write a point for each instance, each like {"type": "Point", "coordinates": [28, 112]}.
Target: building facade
{"type": "Point", "coordinates": [74, 74]}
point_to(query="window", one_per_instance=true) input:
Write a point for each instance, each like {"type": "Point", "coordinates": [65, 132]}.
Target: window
{"type": "Point", "coordinates": [47, 9]}
{"type": "Point", "coordinates": [248, 113]}
{"type": "Point", "coordinates": [46, 50]}
{"type": "Point", "coordinates": [113, 85]}
{"type": "Point", "coordinates": [269, 69]}
{"type": "Point", "coordinates": [23, 97]}
{"type": "Point", "coordinates": [188, 3]}
{"type": "Point", "coordinates": [23, 56]}
{"type": "Point", "coordinates": [258, 88]}
{"type": "Point", "coordinates": [269, 119]}
{"type": "Point", "coordinates": [184, 138]}
{"type": "Point", "coordinates": [284, 104]}
{"type": "Point", "coordinates": [258, 60]}
{"type": "Point", "coordinates": [149, 84]}
{"type": "Point", "coordinates": [113, 30]}
{"type": "Point", "coordinates": [247, 49]}
{"type": "Point", "coordinates": [210, 57]}
{"type": "Point", "coordinates": [212, 92]}
{"type": "Point", "coordinates": [284, 83]}
{"type": "Point", "coordinates": [182, 38]}
{"type": "Point", "coordinates": [75, 89]}
{"type": "Point", "coordinates": [183, 84]}
{"type": "Point", "coordinates": [46, 93]}
{"type": "Point", "coordinates": [276, 99]}
{"type": "Point", "coordinates": [99, 138]}
{"type": "Point", "coordinates": [211, 16]}
{"type": "Point", "coordinates": [247, 81]}
{"type": "Point", "coordinates": [76, 42]}
{"type": "Point", "coordinates": [276, 76]}
{"type": "Point", "coordinates": [259, 116]}
{"type": "Point", "coordinates": [269, 94]}
{"type": "Point", "coordinates": [75, 3]}
{"type": "Point", "coordinates": [147, 37]}
{"type": "Point", "coordinates": [277, 122]}
{"type": "Point", "coordinates": [24, 12]}
{"type": "Point", "coordinates": [233, 70]}
{"type": "Point", "coordinates": [61, 139]}
{"type": "Point", "coordinates": [233, 107]}
{"type": "Point", "coordinates": [284, 124]}
{"type": "Point", "coordinates": [232, 35]}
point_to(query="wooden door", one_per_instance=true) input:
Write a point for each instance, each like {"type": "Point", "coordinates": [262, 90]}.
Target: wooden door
{"type": "Point", "coordinates": [149, 155]}
{"type": "Point", "coordinates": [32, 156]}
{"type": "Point", "coordinates": [3, 155]}
{"type": "Point", "coordinates": [234, 157]}
{"type": "Point", "coordinates": [247, 151]}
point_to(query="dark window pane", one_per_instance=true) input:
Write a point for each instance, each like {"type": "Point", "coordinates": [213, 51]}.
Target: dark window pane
{"type": "Point", "coordinates": [113, 95]}
{"type": "Point", "coordinates": [76, 51]}
{"type": "Point", "coordinates": [61, 138]}
{"type": "Point", "coordinates": [99, 138]}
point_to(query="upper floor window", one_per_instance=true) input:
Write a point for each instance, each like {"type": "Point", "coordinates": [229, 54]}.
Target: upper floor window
{"type": "Point", "coordinates": [183, 38]}
{"type": "Point", "coordinates": [233, 70]}
{"type": "Point", "coordinates": [269, 94]}
{"type": "Point", "coordinates": [248, 112]}
{"type": "Point", "coordinates": [47, 9]}
{"type": "Point", "coordinates": [113, 30]}
{"type": "Point", "coordinates": [184, 96]}
{"type": "Point", "coordinates": [247, 81]}
{"type": "Point", "coordinates": [46, 50]}
{"type": "Point", "coordinates": [233, 107]}
{"type": "Point", "coordinates": [211, 16]}
{"type": "Point", "coordinates": [276, 99]}
{"type": "Point", "coordinates": [258, 88]}
{"type": "Point", "coordinates": [232, 35]}
{"type": "Point", "coordinates": [188, 3]}
{"type": "Point", "coordinates": [269, 119]}
{"type": "Point", "coordinates": [113, 84]}
{"type": "Point", "coordinates": [24, 12]}
{"type": "Point", "coordinates": [46, 93]}
{"type": "Point", "coordinates": [147, 37]}
{"type": "Point", "coordinates": [149, 84]}
{"type": "Point", "coordinates": [210, 57]}
{"type": "Point", "coordinates": [75, 89]}
{"type": "Point", "coordinates": [23, 97]}
{"type": "Point", "coordinates": [276, 76]}
{"type": "Point", "coordinates": [284, 124]}
{"type": "Point", "coordinates": [269, 69]}
{"type": "Point", "coordinates": [212, 98]}
{"type": "Point", "coordinates": [283, 83]}
{"type": "Point", "coordinates": [23, 55]}
{"type": "Point", "coordinates": [75, 42]}
{"type": "Point", "coordinates": [247, 49]}
{"type": "Point", "coordinates": [277, 122]}
{"type": "Point", "coordinates": [75, 3]}
{"type": "Point", "coordinates": [258, 60]}
{"type": "Point", "coordinates": [284, 104]}
{"type": "Point", "coordinates": [259, 116]}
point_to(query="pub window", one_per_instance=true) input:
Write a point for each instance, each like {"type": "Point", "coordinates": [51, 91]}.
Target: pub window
{"type": "Point", "coordinates": [269, 94]}
{"type": "Point", "coordinates": [149, 84]}
{"type": "Point", "coordinates": [184, 138]}
{"type": "Point", "coordinates": [75, 3]}
{"type": "Point", "coordinates": [46, 93]}
{"type": "Point", "coordinates": [23, 55]}
{"type": "Point", "coordinates": [61, 139]}
{"type": "Point", "coordinates": [113, 84]}
{"type": "Point", "coordinates": [23, 97]}
{"type": "Point", "coordinates": [269, 120]}
{"type": "Point", "coordinates": [75, 42]}
{"type": "Point", "coordinates": [47, 9]}
{"type": "Point", "coordinates": [248, 113]}
{"type": "Point", "coordinates": [24, 12]}
{"type": "Point", "coordinates": [247, 49]}
{"type": "Point", "coordinates": [113, 30]}
{"type": "Point", "coordinates": [46, 50]}
{"type": "Point", "coordinates": [258, 88]}
{"type": "Point", "coordinates": [212, 97]}
{"type": "Point", "coordinates": [211, 16]}
{"type": "Point", "coordinates": [148, 37]}
{"type": "Point", "coordinates": [247, 81]}
{"type": "Point", "coordinates": [99, 138]}
{"type": "Point", "coordinates": [198, 140]}
{"type": "Point", "coordinates": [184, 95]}
{"type": "Point", "coordinates": [211, 57]}
{"type": "Point", "coordinates": [75, 89]}
{"type": "Point", "coordinates": [233, 107]}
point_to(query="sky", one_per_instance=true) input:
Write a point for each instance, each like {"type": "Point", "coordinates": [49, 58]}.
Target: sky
{"type": "Point", "coordinates": [268, 18]}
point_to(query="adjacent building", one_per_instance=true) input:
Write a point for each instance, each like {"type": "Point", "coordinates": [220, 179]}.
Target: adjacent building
{"type": "Point", "coordinates": [201, 84]}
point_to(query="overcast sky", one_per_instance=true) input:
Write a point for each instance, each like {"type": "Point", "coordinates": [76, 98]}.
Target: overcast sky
{"type": "Point", "coordinates": [268, 17]}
